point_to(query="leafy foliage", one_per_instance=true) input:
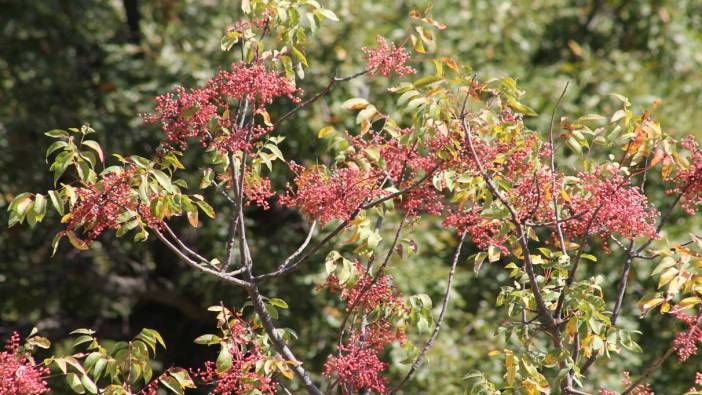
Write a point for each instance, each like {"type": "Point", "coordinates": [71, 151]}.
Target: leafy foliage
{"type": "Point", "coordinates": [445, 146]}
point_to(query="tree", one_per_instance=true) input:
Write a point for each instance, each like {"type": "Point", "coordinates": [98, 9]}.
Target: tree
{"type": "Point", "coordinates": [455, 148]}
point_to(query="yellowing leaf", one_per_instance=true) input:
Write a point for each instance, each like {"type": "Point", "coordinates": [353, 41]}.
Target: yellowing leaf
{"type": "Point", "coordinates": [326, 131]}
{"type": "Point", "coordinates": [493, 254]}
{"type": "Point", "coordinates": [667, 276]}
{"type": "Point", "coordinates": [76, 241]}
{"type": "Point", "coordinates": [355, 104]}
{"type": "Point", "coordinates": [689, 302]}
{"type": "Point", "coordinates": [648, 305]}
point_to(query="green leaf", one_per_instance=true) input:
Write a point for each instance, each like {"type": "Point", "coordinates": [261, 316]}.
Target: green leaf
{"type": "Point", "coordinates": [94, 145]}
{"type": "Point", "coordinates": [56, 201]}
{"type": "Point", "coordinates": [479, 259]}
{"type": "Point", "coordinates": [76, 241]}
{"type": "Point", "coordinates": [82, 339]}
{"type": "Point", "coordinates": [278, 303]}
{"type": "Point", "coordinates": [99, 368]}
{"type": "Point", "coordinates": [493, 254]}
{"type": "Point", "coordinates": [355, 104]}
{"type": "Point", "coordinates": [88, 384]}
{"type": "Point", "coordinates": [39, 341]}
{"type": "Point", "coordinates": [206, 208]}
{"type": "Point", "coordinates": [574, 145]}
{"type": "Point", "coordinates": [55, 146]}
{"type": "Point", "coordinates": [300, 56]}
{"type": "Point", "coordinates": [74, 383]}
{"type": "Point", "coordinates": [208, 339]}
{"type": "Point", "coordinates": [57, 133]}
{"type": "Point", "coordinates": [224, 359]}
{"type": "Point", "coordinates": [173, 385]}
{"type": "Point", "coordinates": [154, 334]}
{"type": "Point", "coordinates": [164, 180]}
{"type": "Point", "coordinates": [182, 376]}
{"type": "Point", "coordinates": [39, 206]}
{"type": "Point", "coordinates": [329, 14]}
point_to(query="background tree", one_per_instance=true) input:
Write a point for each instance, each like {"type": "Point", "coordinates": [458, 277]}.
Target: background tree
{"type": "Point", "coordinates": [651, 47]}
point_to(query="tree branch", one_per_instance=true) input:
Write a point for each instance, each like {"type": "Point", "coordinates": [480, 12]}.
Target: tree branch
{"type": "Point", "coordinates": [528, 266]}
{"type": "Point", "coordinates": [197, 266]}
{"type": "Point", "coordinates": [439, 321]}
{"type": "Point", "coordinates": [317, 96]}
{"type": "Point", "coordinates": [652, 368]}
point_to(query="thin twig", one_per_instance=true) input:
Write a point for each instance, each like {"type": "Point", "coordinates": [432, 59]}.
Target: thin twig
{"type": "Point", "coordinates": [652, 368]}
{"type": "Point", "coordinates": [195, 265]}
{"type": "Point", "coordinates": [301, 248]}
{"type": "Point", "coordinates": [317, 96]}
{"type": "Point", "coordinates": [439, 321]}
{"type": "Point", "coordinates": [521, 235]}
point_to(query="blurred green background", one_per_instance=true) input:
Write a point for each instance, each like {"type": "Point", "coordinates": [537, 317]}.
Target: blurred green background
{"type": "Point", "coordinates": [68, 62]}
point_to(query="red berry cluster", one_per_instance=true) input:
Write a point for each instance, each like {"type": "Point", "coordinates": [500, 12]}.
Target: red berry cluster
{"type": "Point", "coordinates": [330, 196]}
{"type": "Point", "coordinates": [252, 81]}
{"type": "Point", "coordinates": [242, 377]}
{"type": "Point", "coordinates": [183, 115]}
{"type": "Point", "coordinates": [357, 363]}
{"type": "Point", "coordinates": [204, 113]}
{"type": "Point", "coordinates": [358, 367]}
{"type": "Point", "coordinates": [386, 59]}
{"type": "Point", "coordinates": [257, 191]}
{"type": "Point", "coordinates": [370, 293]}
{"type": "Point", "coordinates": [685, 343]}
{"type": "Point", "coordinates": [697, 388]}
{"type": "Point", "coordinates": [404, 164]}
{"type": "Point", "coordinates": [100, 205]}
{"type": "Point", "coordinates": [609, 205]}
{"type": "Point", "coordinates": [151, 389]}
{"type": "Point", "coordinates": [532, 196]}
{"type": "Point", "coordinates": [484, 232]}
{"type": "Point", "coordinates": [641, 389]}
{"type": "Point", "coordinates": [19, 375]}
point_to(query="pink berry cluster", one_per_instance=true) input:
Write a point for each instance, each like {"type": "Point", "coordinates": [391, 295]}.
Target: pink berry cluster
{"type": "Point", "coordinates": [252, 81]}
{"type": "Point", "coordinates": [386, 59]}
{"type": "Point", "coordinates": [357, 364]}
{"type": "Point", "coordinates": [697, 388]}
{"type": "Point", "coordinates": [183, 115]}
{"type": "Point", "coordinates": [19, 375]}
{"type": "Point", "coordinates": [151, 388]}
{"type": "Point", "coordinates": [484, 232]}
{"type": "Point", "coordinates": [532, 195]}
{"type": "Point", "coordinates": [328, 196]}
{"type": "Point", "coordinates": [100, 205]}
{"type": "Point", "coordinates": [357, 367]}
{"type": "Point", "coordinates": [610, 205]}
{"type": "Point", "coordinates": [242, 377]}
{"type": "Point", "coordinates": [257, 191]}
{"type": "Point", "coordinates": [370, 293]}
{"type": "Point", "coordinates": [685, 342]}
{"type": "Point", "coordinates": [206, 113]}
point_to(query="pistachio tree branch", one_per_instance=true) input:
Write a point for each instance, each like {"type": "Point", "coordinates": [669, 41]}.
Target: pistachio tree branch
{"type": "Point", "coordinates": [293, 264]}
{"type": "Point", "coordinates": [521, 236]}
{"type": "Point", "coordinates": [197, 266]}
{"type": "Point", "coordinates": [301, 248]}
{"type": "Point", "coordinates": [649, 371]}
{"type": "Point", "coordinates": [354, 303]}
{"type": "Point", "coordinates": [439, 321]}
{"type": "Point", "coordinates": [279, 343]}
{"type": "Point", "coordinates": [184, 247]}
{"type": "Point", "coordinates": [317, 96]}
